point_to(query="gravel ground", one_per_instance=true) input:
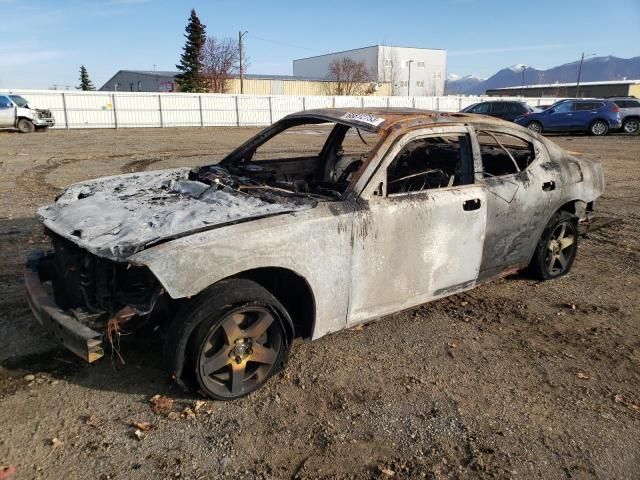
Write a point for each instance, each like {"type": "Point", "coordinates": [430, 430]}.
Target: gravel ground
{"type": "Point", "coordinates": [515, 379]}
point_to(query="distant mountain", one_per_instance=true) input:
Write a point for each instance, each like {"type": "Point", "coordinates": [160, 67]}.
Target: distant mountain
{"type": "Point", "coordinates": [593, 69]}
{"type": "Point", "coordinates": [458, 85]}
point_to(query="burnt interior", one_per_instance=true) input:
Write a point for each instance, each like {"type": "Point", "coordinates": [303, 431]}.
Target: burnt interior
{"type": "Point", "coordinates": [322, 176]}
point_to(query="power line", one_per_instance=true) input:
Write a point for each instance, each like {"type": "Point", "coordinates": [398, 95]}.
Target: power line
{"type": "Point", "coordinates": [282, 43]}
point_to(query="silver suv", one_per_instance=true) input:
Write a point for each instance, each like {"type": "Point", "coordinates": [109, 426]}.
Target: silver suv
{"type": "Point", "coordinates": [16, 113]}
{"type": "Point", "coordinates": [629, 113]}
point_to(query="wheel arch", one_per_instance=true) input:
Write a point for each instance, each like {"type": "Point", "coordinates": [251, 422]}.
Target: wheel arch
{"type": "Point", "coordinates": [292, 290]}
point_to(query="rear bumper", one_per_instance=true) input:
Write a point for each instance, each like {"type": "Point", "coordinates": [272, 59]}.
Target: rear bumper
{"type": "Point", "coordinates": [80, 339]}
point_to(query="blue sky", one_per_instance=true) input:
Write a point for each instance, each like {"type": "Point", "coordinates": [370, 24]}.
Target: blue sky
{"type": "Point", "coordinates": [43, 42]}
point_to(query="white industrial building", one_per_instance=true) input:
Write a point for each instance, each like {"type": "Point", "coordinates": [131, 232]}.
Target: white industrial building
{"type": "Point", "coordinates": [411, 71]}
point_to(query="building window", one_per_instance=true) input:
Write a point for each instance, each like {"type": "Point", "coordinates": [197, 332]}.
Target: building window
{"type": "Point", "coordinates": [420, 64]}
{"type": "Point", "coordinates": [116, 86]}
{"type": "Point", "coordinates": [131, 87]}
{"type": "Point", "coordinates": [387, 63]}
{"type": "Point", "coordinates": [407, 63]}
{"type": "Point", "coordinates": [420, 83]}
{"type": "Point", "coordinates": [139, 86]}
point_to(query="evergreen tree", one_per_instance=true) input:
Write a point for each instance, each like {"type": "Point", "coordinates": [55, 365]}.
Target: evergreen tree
{"type": "Point", "coordinates": [190, 80]}
{"type": "Point", "coordinates": [85, 82]}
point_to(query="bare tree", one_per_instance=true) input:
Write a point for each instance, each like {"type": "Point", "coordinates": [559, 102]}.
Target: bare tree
{"type": "Point", "coordinates": [349, 77]}
{"type": "Point", "coordinates": [390, 70]}
{"type": "Point", "coordinates": [220, 59]}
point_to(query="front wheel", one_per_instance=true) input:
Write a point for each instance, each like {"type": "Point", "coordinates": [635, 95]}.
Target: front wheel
{"type": "Point", "coordinates": [599, 128]}
{"type": "Point", "coordinates": [535, 127]}
{"type": "Point", "coordinates": [25, 126]}
{"type": "Point", "coordinates": [631, 125]}
{"type": "Point", "coordinates": [557, 247]}
{"type": "Point", "coordinates": [240, 340]}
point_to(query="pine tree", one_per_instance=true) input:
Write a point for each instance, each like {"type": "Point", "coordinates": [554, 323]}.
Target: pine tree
{"type": "Point", "coordinates": [85, 82]}
{"type": "Point", "coordinates": [190, 80]}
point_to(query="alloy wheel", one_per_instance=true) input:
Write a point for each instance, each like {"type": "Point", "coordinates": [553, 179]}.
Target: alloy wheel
{"type": "Point", "coordinates": [239, 352]}
{"type": "Point", "coordinates": [632, 126]}
{"type": "Point", "coordinates": [560, 248]}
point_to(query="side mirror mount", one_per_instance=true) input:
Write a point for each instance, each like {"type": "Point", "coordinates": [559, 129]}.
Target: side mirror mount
{"type": "Point", "coordinates": [379, 191]}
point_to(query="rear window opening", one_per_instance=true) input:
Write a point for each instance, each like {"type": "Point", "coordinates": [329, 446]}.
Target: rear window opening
{"type": "Point", "coordinates": [504, 154]}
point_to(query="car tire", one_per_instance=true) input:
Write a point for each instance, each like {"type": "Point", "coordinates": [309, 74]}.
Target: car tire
{"type": "Point", "coordinates": [25, 126]}
{"type": "Point", "coordinates": [557, 248]}
{"type": "Point", "coordinates": [599, 128]}
{"type": "Point", "coordinates": [631, 125]}
{"type": "Point", "coordinates": [535, 126]}
{"type": "Point", "coordinates": [238, 337]}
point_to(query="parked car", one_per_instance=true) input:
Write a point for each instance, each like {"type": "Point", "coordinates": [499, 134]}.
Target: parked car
{"type": "Point", "coordinates": [542, 107]}
{"type": "Point", "coordinates": [16, 113]}
{"type": "Point", "coordinates": [597, 117]}
{"type": "Point", "coordinates": [629, 113]}
{"type": "Point", "coordinates": [505, 110]}
{"type": "Point", "coordinates": [378, 210]}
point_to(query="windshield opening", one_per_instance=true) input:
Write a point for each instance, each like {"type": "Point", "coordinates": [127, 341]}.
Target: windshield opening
{"type": "Point", "coordinates": [19, 101]}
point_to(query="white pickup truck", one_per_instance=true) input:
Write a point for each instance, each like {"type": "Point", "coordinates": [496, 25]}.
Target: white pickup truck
{"type": "Point", "coordinates": [15, 113]}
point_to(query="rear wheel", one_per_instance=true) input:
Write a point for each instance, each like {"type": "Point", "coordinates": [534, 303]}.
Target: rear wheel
{"type": "Point", "coordinates": [25, 126]}
{"type": "Point", "coordinates": [240, 340]}
{"type": "Point", "coordinates": [599, 128]}
{"type": "Point", "coordinates": [631, 125]}
{"type": "Point", "coordinates": [535, 127]}
{"type": "Point", "coordinates": [557, 247]}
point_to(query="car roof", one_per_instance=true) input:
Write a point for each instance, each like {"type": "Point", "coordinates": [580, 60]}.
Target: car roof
{"type": "Point", "coordinates": [380, 119]}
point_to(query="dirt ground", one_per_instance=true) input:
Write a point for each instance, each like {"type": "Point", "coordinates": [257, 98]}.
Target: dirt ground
{"type": "Point", "coordinates": [515, 379]}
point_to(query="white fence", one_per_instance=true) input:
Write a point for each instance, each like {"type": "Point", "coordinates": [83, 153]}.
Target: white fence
{"type": "Point", "coordinates": [126, 110]}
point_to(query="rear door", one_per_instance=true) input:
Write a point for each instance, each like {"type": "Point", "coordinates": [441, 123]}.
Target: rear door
{"type": "Point", "coordinates": [419, 231]}
{"type": "Point", "coordinates": [521, 195]}
{"type": "Point", "coordinates": [499, 109]}
{"type": "Point", "coordinates": [7, 112]}
{"type": "Point", "coordinates": [585, 113]}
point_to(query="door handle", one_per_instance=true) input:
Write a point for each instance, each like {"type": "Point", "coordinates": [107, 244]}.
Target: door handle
{"type": "Point", "coordinates": [471, 204]}
{"type": "Point", "coordinates": [548, 186]}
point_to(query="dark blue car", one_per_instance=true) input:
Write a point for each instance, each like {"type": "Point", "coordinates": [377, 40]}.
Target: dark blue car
{"type": "Point", "coordinates": [594, 116]}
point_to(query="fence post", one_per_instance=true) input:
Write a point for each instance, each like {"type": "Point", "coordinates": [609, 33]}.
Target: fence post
{"type": "Point", "coordinates": [304, 103]}
{"type": "Point", "coordinates": [64, 109]}
{"type": "Point", "coordinates": [333, 102]}
{"type": "Point", "coordinates": [437, 104]}
{"type": "Point", "coordinates": [270, 111]}
{"type": "Point", "coordinates": [459, 103]}
{"type": "Point", "coordinates": [237, 112]}
{"type": "Point", "coordinates": [160, 110]}
{"type": "Point", "coordinates": [388, 102]}
{"type": "Point", "coordinates": [362, 102]}
{"type": "Point", "coordinates": [201, 116]}
{"type": "Point", "coordinates": [413, 102]}
{"type": "Point", "coordinates": [115, 112]}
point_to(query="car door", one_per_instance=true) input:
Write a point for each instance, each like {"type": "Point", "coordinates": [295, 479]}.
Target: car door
{"type": "Point", "coordinates": [522, 192]}
{"type": "Point", "coordinates": [585, 112]}
{"type": "Point", "coordinates": [419, 230]}
{"type": "Point", "coordinates": [560, 117]}
{"type": "Point", "coordinates": [7, 112]}
{"type": "Point", "coordinates": [499, 109]}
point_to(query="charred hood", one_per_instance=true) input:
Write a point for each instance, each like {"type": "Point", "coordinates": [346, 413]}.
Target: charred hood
{"type": "Point", "coordinates": [115, 217]}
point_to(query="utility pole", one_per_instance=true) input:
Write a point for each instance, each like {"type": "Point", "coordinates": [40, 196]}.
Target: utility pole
{"type": "Point", "coordinates": [240, 35]}
{"type": "Point", "coordinates": [409, 80]}
{"type": "Point", "coordinates": [524, 68]}
{"type": "Point", "coordinates": [580, 72]}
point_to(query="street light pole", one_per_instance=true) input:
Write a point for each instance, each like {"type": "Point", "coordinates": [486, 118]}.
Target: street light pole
{"type": "Point", "coordinates": [524, 67]}
{"type": "Point", "coordinates": [240, 35]}
{"type": "Point", "coordinates": [409, 80]}
{"type": "Point", "coordinates": [580, 72]}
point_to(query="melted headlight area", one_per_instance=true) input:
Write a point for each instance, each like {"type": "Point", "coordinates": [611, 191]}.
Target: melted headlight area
{"type": "Point", "coordinates": [97, 290]}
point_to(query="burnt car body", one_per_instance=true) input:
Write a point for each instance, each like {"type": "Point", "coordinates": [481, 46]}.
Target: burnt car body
{"type": "Point", "coordinates": [440, 203]}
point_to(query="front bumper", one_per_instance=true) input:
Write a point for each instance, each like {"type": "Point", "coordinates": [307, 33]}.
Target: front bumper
{"type": "Point", "coordinates": [44, 122]}
{"type": "Point", "coordinates": [68, 330]}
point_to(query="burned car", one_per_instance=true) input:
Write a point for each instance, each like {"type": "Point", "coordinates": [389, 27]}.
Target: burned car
{"type": "Point", "coordinates": [391, 209]}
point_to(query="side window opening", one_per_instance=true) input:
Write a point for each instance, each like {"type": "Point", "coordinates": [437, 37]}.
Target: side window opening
{"type": "Point", "coordinates": [503, 154]}
{"type": "Point", "coordinates": [429, 163]}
